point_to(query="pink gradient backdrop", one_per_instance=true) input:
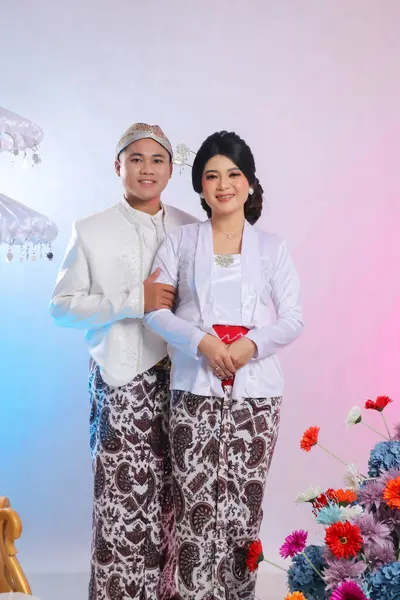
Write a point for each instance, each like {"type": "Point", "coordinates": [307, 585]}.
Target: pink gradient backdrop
{"type": "Point", "coordinates": [315, 89]}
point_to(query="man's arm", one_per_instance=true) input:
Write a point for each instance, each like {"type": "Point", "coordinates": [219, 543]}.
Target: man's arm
{"type": "Point", "coordinates": [73, 305]}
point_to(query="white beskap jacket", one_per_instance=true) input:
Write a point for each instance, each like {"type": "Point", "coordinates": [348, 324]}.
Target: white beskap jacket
{"type": "Point", "coordinates": [100, 289]}
{"type": "Point", "coordinates": [268, 277]}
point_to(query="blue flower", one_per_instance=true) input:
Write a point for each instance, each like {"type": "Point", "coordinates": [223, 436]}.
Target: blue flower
{"type": "Point", "coordinates": [329, 515]}
{"type": "Point", "coordinates": [384, 456]}
{"type": "Point", "coordinates": [384, 584]}
{"type": "Point", "coordinates": [302, 577]}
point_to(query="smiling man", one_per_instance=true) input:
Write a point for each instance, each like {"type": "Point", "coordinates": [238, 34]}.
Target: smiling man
{"type": "Point", "coordinates": [105, 287]}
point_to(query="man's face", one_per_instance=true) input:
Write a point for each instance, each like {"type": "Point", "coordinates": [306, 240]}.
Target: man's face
{"type": "Point", "coordinates": [145, 168]}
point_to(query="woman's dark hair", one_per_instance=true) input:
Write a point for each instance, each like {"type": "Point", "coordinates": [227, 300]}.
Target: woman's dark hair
{"type": "Point", "coordinates": [229, 144]}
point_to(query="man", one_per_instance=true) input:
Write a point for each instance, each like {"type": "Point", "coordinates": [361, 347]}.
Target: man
{"type": "Point", "coordinates": [105, 287]}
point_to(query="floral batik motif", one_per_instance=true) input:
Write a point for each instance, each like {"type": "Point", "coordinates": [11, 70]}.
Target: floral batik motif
{"type": "Point", "coordinates": [133, 547]}
{"type": "Point", "coordinates": [221, 452]}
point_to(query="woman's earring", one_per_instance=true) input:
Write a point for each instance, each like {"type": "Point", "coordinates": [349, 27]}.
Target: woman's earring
{"type": "Point", "coordinates": [202, 196]}
{"type": "Point", "coordinates": [251, 191]}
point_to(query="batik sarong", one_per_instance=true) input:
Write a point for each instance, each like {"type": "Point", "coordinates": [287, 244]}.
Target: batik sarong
{"type": "Point", "coordinates": [133, 548]}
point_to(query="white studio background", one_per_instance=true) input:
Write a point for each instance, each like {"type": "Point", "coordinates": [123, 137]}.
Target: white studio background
{"type": "Point", "coordinates": [314, 87]}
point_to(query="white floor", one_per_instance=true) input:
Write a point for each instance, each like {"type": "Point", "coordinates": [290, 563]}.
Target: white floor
{"type": "Point", "coordinates": [271, 586]}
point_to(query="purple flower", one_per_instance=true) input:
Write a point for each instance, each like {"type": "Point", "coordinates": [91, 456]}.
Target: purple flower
{"type": "Point", "coordinates": [339, 570]}
{"type": "Point", "coordinates": [348, 590]}
{"type": "Point", "coordinates": [381, 555]}
{"type": "Point", "coordinates": [294, 544]}
{"type": "Point", "coordinates": [370, 494]}
{"type": "Point", "coordinates": [388, 475]}
{"type": "Point", "coordinates": [389, 516]}
{"type": "Point", "coordinates": [373, 533]}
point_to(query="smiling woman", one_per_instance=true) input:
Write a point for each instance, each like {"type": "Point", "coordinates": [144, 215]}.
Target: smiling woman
{"type": "Point", "coordinates": [226, 163]}
{"type": "Point", "coordinates": [225, 375]}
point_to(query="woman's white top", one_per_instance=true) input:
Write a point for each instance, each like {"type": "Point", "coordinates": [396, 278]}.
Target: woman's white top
{"type": "Point", "coordinates": [226, 292]}
{"type": "Point", "coordinates": [269, 307]}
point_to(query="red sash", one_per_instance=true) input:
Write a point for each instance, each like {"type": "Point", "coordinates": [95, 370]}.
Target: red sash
{"type": "Point", "coordinates": [229, 334]}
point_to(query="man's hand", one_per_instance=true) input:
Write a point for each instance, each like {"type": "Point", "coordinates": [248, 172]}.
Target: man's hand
{"type": "Point", "coordinates": [216, 352]}
{"type": "Point", "coordinates": [241, 352]}
{"type": "Point", "coordinates": [157, 295]}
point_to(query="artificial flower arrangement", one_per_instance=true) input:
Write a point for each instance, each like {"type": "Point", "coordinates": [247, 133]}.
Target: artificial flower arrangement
{"type": "Point", "coordinates": [360, 557]}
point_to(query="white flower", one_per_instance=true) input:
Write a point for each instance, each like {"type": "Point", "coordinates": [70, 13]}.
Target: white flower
{"type": "Point", "coordinates": [354, 416]}
{"type": "Point", "coordinates": [312, 492]}
{"type": "Point", "coordinates": [349, 512]}
{"type": "Point", "coordinates": [352, 478]}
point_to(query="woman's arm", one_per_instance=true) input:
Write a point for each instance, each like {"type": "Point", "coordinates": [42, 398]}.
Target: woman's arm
{"type": "Point", "coordinates": [285, 295]}
{"type": "Point", "coordinates": [179, 333]}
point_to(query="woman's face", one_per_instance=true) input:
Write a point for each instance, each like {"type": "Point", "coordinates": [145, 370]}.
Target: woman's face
{"type": "Point", "coordinates": [225, 187]}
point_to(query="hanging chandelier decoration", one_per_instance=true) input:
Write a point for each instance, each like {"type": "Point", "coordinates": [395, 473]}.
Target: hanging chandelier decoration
{"type": "Point", "coordinates": [24, 227]}
{"type": "Point", "coordinates": [20, 137]}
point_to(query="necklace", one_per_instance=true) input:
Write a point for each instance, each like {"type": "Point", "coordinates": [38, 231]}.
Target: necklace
{"type": "Point", "coordinates": [230, 234]}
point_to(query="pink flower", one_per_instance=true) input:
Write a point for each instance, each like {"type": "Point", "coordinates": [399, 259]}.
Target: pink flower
{"type": "Point", "coordinates": [294, 544]}
{"type": "Point", "coordinates": [348, 590]}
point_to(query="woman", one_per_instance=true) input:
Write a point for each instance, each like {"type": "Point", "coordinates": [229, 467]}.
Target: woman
{"type": "Point", "coordinates": [226, 381]}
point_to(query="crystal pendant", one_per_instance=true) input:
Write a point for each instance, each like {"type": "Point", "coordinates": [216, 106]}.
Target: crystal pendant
{"type": "Point", "coordinates": [224, 260]}
{"type": "Point", "coordinates": [10, 256]}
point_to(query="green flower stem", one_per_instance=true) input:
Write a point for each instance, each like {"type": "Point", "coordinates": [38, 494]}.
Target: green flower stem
{"type": "Point", "coordinates": [313, 566]}
{"type": "Point", "coordinates": [374, 430]}
{"type": "Point", "coordinates": [274, 565]}
{"type": "Point", "coordinates": [386, 425]}
{"type": "Point", "coordinates": [331, 453]}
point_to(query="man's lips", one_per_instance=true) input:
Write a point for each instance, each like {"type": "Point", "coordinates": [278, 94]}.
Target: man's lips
{"type": "Point", "coordinates": [146, 181]}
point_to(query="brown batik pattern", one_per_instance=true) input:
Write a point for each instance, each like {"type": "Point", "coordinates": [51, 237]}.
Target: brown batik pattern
{"type": "Point", "coordinates": [133, 546]}
{"type": "Point", "coordinates": [221, 453]}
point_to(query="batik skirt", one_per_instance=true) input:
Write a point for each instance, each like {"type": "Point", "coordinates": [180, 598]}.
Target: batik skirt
{"type": "Point", "coordinates": [221, 453]}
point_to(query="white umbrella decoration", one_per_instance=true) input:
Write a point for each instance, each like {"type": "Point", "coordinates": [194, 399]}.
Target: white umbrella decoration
{"type": "Point", "coordinates": [19, 136]}
{"type": "Point", "coordinates": [20, 225]}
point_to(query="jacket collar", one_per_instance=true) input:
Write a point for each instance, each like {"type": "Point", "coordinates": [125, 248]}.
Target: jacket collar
{"type": "Point", "coordinates": [137, 217]}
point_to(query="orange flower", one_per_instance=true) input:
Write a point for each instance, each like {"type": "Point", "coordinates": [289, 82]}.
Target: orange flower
{"type": "Point", "coordinates": [379, 404]}
{"type": "Point", "coordinates": [342, 497]}
{"type": "Point", "coordinates": [343, 539]}
{"type": "Point", "coordinates": [310, 438]}
{"type": "Point", "coordinates": [296, 596]}
{"type": "Point", "coordinates": [391, 493]}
